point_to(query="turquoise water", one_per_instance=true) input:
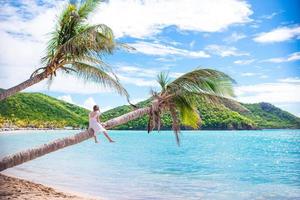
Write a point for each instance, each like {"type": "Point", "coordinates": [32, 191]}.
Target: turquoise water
{"type": "Point", "coordinates": [208, 165]}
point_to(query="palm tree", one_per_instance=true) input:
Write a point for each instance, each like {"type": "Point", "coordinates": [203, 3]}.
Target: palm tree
{"type": "Point", "coordinates": [77, 47]}
{"type": "Point", "coordinates": [178, 97]}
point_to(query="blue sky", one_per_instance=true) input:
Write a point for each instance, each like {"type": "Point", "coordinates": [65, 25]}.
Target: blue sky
{"type": "Point", "coordinates": [255, 42]}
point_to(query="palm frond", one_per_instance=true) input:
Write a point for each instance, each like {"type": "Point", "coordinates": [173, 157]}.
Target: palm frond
{"type": "Point", "coordinates": [68, 24]}
{"type": "Point", "coordinates": [73, 33]}
{"type": "Point", "coordinates": [77, 44]}
{"type": "Point", "coordinates": [87, 8]}
{"type": "Point", "coordinates": [189, 115]}
{"type": "Point", "coordinates": [92, 59]}
{"type": "Point", "coordinates": [124, 46]}
{"type": "Point", "coordinates": [163, 80]}
{"type": "Point", "coordinates": [175, 123]}
{"type": "Point", "coordinates": [92, 73]}
{"type": "Point", "coordinates": [203, 81]}
{"type": "Point", "coordinates": [96, 39]}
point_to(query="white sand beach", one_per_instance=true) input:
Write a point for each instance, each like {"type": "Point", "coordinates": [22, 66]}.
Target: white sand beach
{"type": "Point", "coordinates": [20, 189]}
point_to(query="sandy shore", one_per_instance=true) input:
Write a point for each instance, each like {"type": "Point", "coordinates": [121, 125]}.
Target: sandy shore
{"type": "Point", "coordinates": [7, 130]}
{"type": "Point", "coordinates": [19, 189]}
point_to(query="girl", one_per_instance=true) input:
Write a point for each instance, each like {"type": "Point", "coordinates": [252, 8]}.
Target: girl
{"type": "Point", "coordinates": [94, 123]}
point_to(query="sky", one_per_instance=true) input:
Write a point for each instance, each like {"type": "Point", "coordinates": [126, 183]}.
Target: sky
{"type": "Point", "coordinates": [255, 42]}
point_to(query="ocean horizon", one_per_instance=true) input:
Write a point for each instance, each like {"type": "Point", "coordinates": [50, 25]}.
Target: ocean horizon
{"type": "Point", "coordinates": [254, 164]}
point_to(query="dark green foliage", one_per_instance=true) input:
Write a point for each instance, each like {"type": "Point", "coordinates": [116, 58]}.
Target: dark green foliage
{"type": "Point", "coordinates": [213, 117]}
{"type": "Point", "coordinates": [39, 110]}
{"type": "Point", "coordinates": [267, 115]}
{"type": "Point", "coordinates": [227, 115]}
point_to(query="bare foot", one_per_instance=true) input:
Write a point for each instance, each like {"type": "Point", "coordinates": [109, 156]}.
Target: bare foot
{"type": "Point", "coordinates": [111, 141]}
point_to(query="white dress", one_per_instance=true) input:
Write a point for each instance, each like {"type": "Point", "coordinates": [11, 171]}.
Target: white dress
{"type": "Point", "coordinates": [93, 123]}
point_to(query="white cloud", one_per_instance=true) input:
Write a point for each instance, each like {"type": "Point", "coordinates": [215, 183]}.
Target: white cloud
{"type": "Point", "coordinates": [30, 21]}
{"type": "Point", "coordinates": [175, 74]}
{"type": "Point", "coordinates": [269, 92]}
{"type": "Point", "coordinates": [290, 58]}
{"type": "Point", "coordinates": [137, 71]}
{"type": "Point", "coordinates": [263, 76]}
{"type": "Point", "coordinates": [234, 37]}
{"type": "Point", "coordinates": [248, 74]}
{"type": "Point", "coordinates": [71, 85]}
{"type": "Point", "coordinates": [29, 25]}
{"type": "Point", "coordinates": [192, 44]}
{"type": "Point", "coordinates": [278, 35]}
{"type": "Point", "coordinates": [66, 98]}
{"type": "Point", "coordinates": [16, 61]}
{"type": "Point", "coordinates": [142, 77]}
{"type": "Point", "coordinates": [244, 62]}
{"type": "Point", "coordinates": [270, 16]}
{"type": "Point", "coordinates": [89, 103]}
{"type": "Point", "coordinates": [141, 82]}
{"type": "Point", "coordinates": [290, 80]}
{"type": "Point", "coordinates": [146, 18]}
{"type": "Point", "coordinates": [164, 59]}
{"type": "Point", "coordinates": [157, 49]}
{"type": "Point", "coordinates": [224, 51]}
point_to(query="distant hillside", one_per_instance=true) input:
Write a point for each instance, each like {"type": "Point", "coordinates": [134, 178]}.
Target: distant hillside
{"type": "Point", "coordinates": [39, 110]}
{"type": "Point", "coordinates": [228, 115]}
{"type": "Point", "coordinates": [266, 115]}
{"type": "Point", "coordinates": [213, 117]}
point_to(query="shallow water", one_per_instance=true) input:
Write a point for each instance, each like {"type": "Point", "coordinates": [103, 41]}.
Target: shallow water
{"type": "Point", "coordinates": [208, 165]}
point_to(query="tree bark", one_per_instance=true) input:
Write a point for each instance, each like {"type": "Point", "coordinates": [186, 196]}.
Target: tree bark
{"type": "Point", "coordinates": [30, 154]}
{"type": "Point", "coordinates": [11, 91]}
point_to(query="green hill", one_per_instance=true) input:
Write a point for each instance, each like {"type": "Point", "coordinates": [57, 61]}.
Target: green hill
{"type": "Point", "coordinates": [39, 110]}
{"type": "Point", "coordinates": [213, 116]}
{"type": "Point", "coordinates": [266, 115]}
{"type": "Point", "coordinates": [229, 115]}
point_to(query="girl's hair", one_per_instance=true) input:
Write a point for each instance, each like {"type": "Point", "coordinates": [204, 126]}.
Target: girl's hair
{"type": "Point", "coordinates": [96, 107]}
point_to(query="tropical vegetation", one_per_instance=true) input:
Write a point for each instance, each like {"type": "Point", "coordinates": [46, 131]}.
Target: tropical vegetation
{"type": "Point", "coordinates": [178, 97]}
{"type": "Point", "coordinates": [76, 47]}
{"type": "Point", "coordinates": [38, 110]}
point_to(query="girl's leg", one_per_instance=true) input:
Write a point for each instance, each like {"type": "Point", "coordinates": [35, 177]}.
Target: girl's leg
{"type": "Point", "coordinates": [107, 136]}
{"type": "Point", "coordinates": [95, 137]}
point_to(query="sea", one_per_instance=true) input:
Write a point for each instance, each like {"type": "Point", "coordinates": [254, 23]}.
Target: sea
{"type": "Point", "coordinates": [217, 165]}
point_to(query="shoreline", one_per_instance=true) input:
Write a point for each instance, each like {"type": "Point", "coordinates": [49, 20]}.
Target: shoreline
{"type": "Point", "coordinates": [8, 131]}
{"type": "Point", "coordinates": [13, 187]}
{"type": "Point", "coordinates": [35, 129]}
{"type": "Point", "coordinates": [22, 130]}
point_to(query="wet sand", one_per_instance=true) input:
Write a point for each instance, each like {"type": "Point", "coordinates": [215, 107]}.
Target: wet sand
{"type": "Point", "coordinates": [14, 188]}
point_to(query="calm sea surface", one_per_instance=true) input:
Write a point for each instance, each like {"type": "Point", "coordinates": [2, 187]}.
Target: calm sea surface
{"type": "Point", "coordinates": [208, 165]}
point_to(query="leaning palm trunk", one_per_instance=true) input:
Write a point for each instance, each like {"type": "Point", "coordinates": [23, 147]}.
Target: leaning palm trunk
{"type": "Point", "coordinates": [33, 80]}
{"type": "Point", "coordinates": [30, 154]}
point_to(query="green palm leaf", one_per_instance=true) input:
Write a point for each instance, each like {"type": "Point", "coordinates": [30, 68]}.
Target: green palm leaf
{"type": "Point", "coordinates": [92, 73]}
{"type": "Point", "coordinates": [87, 7]}
{"type": "Point", "coordinates": [187, 108]}
{"type": "Point", "coordinates": [181, 96]}
{"type": "Point", "coordinates": [81, 46]}
{"type": "Point", "coordinates": [201, 81]}
{"type": "Point", "coordinates": [163, 80]}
